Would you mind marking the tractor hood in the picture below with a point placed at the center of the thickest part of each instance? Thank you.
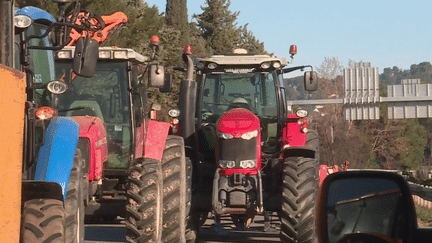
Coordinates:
(93, 129)
(237, 122)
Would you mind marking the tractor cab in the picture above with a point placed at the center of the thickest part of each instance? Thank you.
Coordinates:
(106, 96)
(241, 85)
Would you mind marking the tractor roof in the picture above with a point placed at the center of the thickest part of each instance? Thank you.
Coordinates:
(105, 53)
(242, 59)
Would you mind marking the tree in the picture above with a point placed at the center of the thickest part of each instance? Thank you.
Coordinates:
(177, 17)
(414, 145)
(47, 5)
(218, 26)
(249, 42)
(330, 68)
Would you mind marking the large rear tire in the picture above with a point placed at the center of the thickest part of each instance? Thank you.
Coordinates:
(43, 221)
(299, 192)
(159, 198)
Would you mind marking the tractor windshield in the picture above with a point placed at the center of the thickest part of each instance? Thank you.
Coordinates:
(105, 96)
(222, 90)
(254, 91)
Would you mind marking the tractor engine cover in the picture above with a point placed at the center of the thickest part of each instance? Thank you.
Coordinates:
(238, 144)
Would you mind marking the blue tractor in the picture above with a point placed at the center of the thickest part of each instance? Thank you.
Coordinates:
(52, 167)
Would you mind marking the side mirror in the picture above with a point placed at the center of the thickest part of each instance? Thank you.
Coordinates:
(86, 55)
(310, 81)
(365, 206)
(159, 78)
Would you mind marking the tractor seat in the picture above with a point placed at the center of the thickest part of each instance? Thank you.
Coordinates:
(91, 108)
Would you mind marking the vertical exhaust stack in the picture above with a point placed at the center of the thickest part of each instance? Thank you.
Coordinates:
(6, 33)
(187, 100)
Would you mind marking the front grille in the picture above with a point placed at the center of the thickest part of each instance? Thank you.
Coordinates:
(237, 150)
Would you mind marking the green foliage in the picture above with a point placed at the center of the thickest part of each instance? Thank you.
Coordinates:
(47, 5)
(414, 144)
(249, 42)
(422, 71)
(424, 214)
(218, 27)
(177, 18)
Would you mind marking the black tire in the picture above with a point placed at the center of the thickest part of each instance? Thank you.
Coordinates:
(191, 232)
(51, 220)
(158, 199)
(299, 192)
(144, 206)
(312, 141)
(42, 221)
(74, 203)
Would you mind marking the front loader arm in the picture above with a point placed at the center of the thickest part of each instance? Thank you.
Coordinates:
(100, 35)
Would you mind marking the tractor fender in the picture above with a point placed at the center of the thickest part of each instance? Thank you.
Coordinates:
(56, 156)
(300, 151)
(156, 134)
(41, 189)
(309, 146)
(93, 129)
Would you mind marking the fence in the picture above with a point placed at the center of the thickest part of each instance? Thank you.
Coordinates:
(422, 195)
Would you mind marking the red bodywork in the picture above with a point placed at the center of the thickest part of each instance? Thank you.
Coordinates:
(93, 129)
(111, 21)
(154, 139)
(237, 122)
(292, 135)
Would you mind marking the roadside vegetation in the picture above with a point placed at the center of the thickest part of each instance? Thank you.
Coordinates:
(424, 216)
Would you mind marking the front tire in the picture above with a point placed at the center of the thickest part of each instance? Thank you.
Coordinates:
(299, 192)
(43, 221)
(47, 220)
(158, 197)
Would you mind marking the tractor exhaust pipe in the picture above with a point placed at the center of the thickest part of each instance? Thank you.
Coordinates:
(6, 33)
(187, 104)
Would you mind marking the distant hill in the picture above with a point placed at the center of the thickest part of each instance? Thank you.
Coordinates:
(422, 71)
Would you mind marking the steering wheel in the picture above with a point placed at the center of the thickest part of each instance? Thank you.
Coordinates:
(239, 95)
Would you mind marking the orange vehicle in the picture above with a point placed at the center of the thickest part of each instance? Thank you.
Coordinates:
(11, 151)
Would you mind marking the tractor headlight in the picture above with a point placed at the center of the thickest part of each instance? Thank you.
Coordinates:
(248, 163)
(65, 54)
(226, 136)
(302, 113)
(250, 135)
(22, 21)
(212, 65)
(57, 87)
(276, 64)
(226, 163)
(265, 65)
(120, 55)
(104, 54)
(200, 65)
(174, 113)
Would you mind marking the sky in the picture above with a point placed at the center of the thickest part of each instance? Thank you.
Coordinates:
(385, 33)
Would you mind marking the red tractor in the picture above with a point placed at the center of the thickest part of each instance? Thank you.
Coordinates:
(250, 155)
(133, 168)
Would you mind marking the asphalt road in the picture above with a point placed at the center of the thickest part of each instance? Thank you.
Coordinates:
(115, 232)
